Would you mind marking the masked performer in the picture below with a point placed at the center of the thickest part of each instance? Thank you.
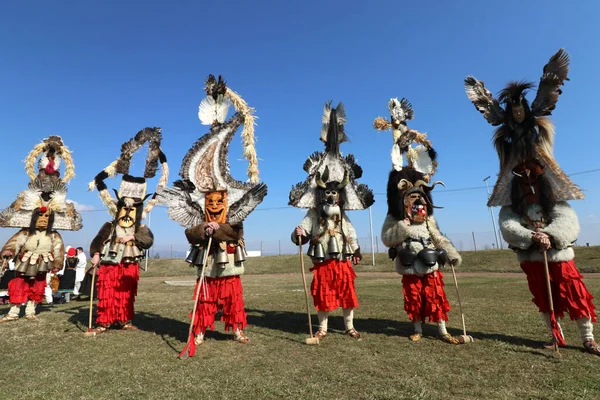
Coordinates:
(532, 191)
(212, 206)
(328, 192)
(119, 244)
(410, 229)
(40, 211)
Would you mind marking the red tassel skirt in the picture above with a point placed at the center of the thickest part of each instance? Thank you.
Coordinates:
(117, 288)
(333, 285)
(22, 288)
(220, 294)
(569, 293)
(424, 297)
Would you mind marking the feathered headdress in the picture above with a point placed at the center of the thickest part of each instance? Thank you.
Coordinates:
(46, 188)
(134, 187)
(331, 166)
(205, 167)
(421, 157)
(524, 132)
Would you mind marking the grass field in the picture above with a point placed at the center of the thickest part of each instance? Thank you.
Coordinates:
(50, 358)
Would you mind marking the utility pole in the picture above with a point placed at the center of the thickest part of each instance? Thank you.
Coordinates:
(372, 244)
(492, 213)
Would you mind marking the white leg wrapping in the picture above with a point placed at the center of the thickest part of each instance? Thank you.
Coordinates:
(30, 308)
(418, 327)
(546, 318)
(349, 318)
(14, 311)
(586, 328)
(323, 317)
(442, 328)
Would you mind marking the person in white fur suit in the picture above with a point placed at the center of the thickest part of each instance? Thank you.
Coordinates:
(532, 191)
(419, 249)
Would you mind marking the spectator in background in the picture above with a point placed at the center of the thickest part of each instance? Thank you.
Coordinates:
(9, 274)
(67, 278)
(80, 270)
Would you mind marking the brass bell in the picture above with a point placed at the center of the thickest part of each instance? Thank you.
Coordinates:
(199, 261)
(311, 251)
(128, 252)
(319, 253)
(114, 250)
(136, 252)
(192, 254)
(239, 256)
(221, 257)
(332, 247)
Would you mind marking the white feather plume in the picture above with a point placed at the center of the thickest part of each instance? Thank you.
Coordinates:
(421, 160)
(396, 157)
(210, 110)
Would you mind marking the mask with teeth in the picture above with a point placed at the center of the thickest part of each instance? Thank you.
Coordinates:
(216, 207)
(127, 214)
(415, 207)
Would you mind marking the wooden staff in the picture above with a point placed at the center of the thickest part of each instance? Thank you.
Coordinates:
(551, 304)
(90, 333)
(311, 339)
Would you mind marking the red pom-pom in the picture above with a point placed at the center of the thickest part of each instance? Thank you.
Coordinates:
(43, 209)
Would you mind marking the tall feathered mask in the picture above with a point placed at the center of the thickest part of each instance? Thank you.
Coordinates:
(524, 132)
(418, 149)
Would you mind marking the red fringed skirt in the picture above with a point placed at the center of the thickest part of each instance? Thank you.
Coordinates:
(220, 294)
(117, 288)
(22, 288)
(569, 293)
(424, 297)
(333, 285)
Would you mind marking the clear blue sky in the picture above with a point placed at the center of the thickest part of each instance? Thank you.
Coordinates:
(95, 72)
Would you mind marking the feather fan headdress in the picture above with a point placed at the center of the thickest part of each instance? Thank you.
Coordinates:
(330, 165)
(205, 167)
(131, 186)
(524, 132)
(46, 188)
(421, 157)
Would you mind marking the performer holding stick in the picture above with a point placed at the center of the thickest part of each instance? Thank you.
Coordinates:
(532, 191)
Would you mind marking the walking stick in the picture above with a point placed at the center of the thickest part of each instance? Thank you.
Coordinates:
(311, 339)
(91, 333)
(464, 338)
(188, 351)
(553, 323)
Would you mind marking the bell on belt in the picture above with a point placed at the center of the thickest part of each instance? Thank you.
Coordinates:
(114, 250)
(239, 257)
(221, 257)
(319, 254)
(200, 256)
(128, 256)
(332, 247)
(347, 250)
(311, 251)
(136, 252)
(193, 253)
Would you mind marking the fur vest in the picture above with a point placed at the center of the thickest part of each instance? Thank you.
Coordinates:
(561, 225)
(395, 233)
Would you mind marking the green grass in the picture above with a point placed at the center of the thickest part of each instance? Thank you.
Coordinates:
(51, 359)
(587, 259)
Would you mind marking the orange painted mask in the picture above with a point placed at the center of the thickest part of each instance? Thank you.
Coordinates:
(215, 204)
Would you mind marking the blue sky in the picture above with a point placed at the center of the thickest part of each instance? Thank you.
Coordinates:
(97, 72)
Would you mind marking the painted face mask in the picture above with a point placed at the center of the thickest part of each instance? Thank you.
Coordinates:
(216, 207)
(127, 214)
(415, 207)
(42, 221)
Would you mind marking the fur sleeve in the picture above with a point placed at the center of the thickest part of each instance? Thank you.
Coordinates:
(350, 232)
(15, 243)
(307, 223)
(58, 251)
(443, 242)
(393, 232)
(101, 237)
(144, 239)
(226, 232)
(564, 226)
(513, 232)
